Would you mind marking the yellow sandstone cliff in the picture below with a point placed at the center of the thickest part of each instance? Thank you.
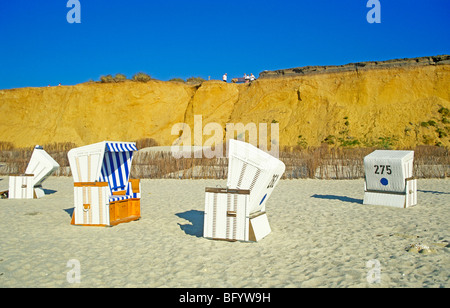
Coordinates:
(403, 105)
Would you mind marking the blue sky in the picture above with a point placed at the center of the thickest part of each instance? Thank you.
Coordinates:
(184, 38)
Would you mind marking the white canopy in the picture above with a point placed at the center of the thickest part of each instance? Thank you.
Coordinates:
(41, 165)
(90, 164)
(253, 169)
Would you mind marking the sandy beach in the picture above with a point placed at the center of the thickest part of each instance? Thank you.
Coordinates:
(322, 236)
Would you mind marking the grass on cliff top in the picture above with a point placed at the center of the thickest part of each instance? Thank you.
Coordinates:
(144, 77)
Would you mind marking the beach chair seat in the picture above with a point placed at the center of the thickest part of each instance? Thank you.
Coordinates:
(29, 184)
(104, 195)
(120, 198)
(389, 179)
(237, 212)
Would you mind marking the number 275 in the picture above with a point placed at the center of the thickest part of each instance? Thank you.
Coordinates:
(379, 169)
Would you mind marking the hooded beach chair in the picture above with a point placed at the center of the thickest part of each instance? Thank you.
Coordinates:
(29, 185)
(238, 212)
(104, 194)
(389, 179)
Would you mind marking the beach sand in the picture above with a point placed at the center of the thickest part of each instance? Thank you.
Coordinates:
(322, 236)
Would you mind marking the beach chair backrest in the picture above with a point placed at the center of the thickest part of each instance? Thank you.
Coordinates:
(253, 169)
(86, 162)
(41, 165)
(387, 170)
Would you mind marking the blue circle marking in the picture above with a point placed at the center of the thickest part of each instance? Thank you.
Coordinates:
(384, 181)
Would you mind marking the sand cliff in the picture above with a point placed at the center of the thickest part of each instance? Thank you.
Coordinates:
(402, 103)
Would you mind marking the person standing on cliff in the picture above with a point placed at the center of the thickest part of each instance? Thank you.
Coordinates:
(247, 78)
(224, 77)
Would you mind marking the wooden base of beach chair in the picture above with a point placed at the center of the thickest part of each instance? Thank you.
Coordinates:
(93, 208)
(124, 211)
(226, 216)
(72, 222)
(395, 199)
(21, 186)
(257, 229)
(119, 212)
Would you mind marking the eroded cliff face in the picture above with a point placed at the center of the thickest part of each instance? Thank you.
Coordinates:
(404, 106)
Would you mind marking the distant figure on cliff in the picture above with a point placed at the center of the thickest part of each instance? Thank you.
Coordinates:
(252, 77)
(224, 77)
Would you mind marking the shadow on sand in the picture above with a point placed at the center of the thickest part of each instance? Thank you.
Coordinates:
(195, 227)
(49, 191)
(434, 192)
(69, 211)
(340, 198)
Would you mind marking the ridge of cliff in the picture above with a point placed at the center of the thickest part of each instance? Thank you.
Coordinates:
(357, 66)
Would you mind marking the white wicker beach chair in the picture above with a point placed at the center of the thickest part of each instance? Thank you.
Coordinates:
(237, 213)
(389, 178)
(29, 185)
(104, 194)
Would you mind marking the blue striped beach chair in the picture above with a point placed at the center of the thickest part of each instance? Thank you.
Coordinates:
(104, 194)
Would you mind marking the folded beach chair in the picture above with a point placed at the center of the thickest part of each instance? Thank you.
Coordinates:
(237, 213)
(104, 194)
(29, 185)
(389, 179)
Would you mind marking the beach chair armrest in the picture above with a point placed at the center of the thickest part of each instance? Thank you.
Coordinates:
(21, 174)
(135, 185)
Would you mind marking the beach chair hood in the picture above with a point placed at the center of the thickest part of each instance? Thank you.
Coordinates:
(253, 169)
(386, 170)
(41, 165)
(106, 161)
